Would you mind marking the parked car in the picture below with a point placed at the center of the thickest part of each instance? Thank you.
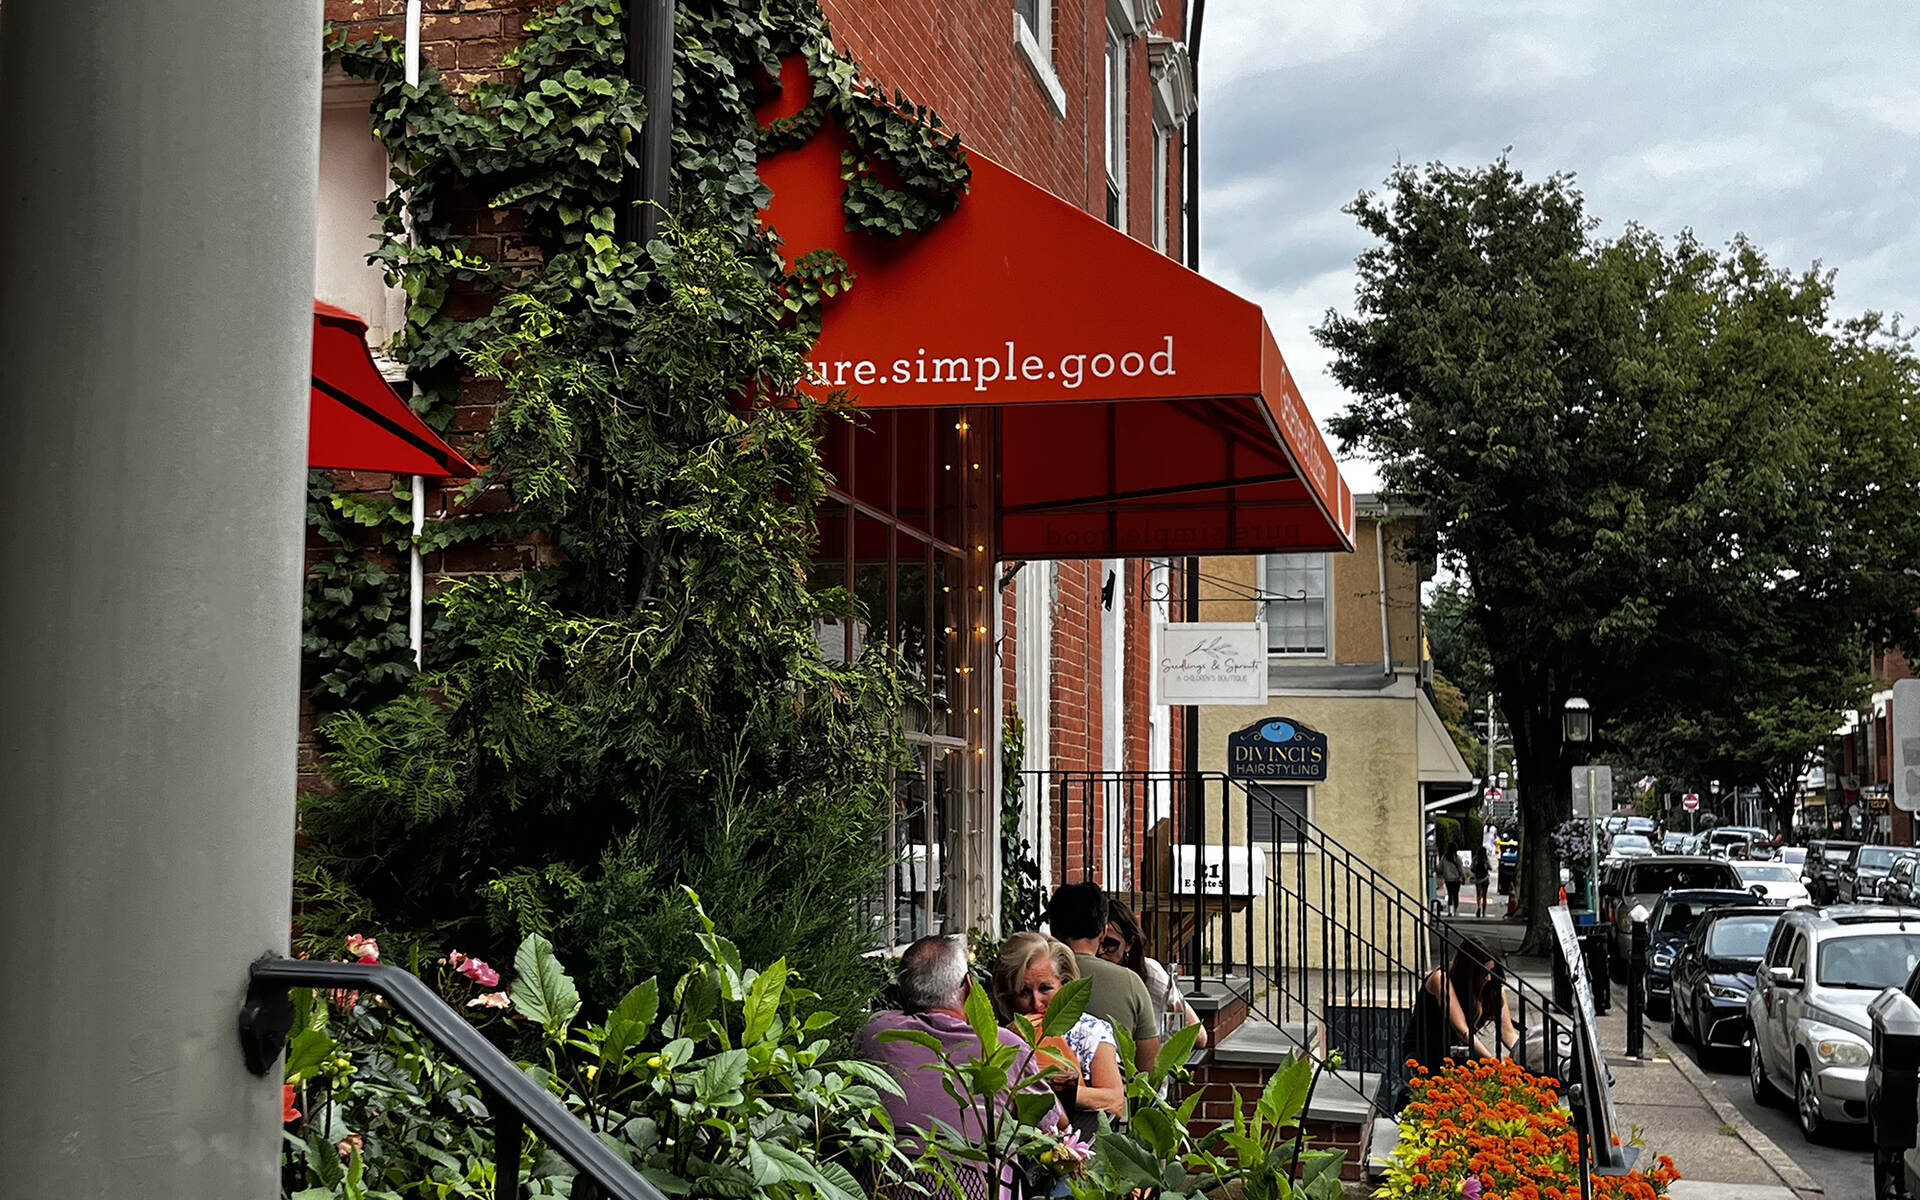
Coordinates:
(1630, 845)
(1776, 883)
(1793, 856)
(1811, 1034)
(1643, 826)
(1673, 918)
(1509, 864)
(1639, 882)
(1712, 973)
(1864, 876)
(1825, 858)
(1901, 884)
(1674, 843)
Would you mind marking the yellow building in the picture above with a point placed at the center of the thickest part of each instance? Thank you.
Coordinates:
(1346, 660)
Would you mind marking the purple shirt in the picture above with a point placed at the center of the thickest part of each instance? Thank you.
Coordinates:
(916, 1069)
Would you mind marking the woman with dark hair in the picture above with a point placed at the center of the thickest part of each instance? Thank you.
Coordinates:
(1123, 942)
(1453, 1012)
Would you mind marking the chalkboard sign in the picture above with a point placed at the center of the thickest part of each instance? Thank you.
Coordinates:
(1601, 1117)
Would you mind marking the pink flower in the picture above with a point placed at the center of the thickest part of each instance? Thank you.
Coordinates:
(454, 959)
(479, 972)
(1076, 1147)
(363, 948)
(1470, 1187)
(490, 1000)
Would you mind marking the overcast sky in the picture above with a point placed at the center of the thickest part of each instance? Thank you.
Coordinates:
(1797, 124)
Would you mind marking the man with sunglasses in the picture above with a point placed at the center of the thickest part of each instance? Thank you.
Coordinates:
(1077, 915)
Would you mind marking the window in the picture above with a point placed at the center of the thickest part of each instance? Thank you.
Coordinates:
(1033, 37)
(1297, 617)
(1160, 146)
(1276, 812)
(1116, 129)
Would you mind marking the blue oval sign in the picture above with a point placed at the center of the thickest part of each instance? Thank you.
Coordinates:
(1277, 748)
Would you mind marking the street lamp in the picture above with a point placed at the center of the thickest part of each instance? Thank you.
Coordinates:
(1576, 721)
(1576, 726)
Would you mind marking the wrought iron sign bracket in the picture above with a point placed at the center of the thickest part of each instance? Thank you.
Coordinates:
(1159, 586)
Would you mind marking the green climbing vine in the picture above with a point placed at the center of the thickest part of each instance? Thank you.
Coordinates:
(645, 705)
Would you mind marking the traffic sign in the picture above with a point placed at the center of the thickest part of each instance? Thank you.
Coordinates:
(1601, 802)
(1495, 795)
(1690, 801)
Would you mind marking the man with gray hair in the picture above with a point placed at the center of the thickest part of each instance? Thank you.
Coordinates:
(932, 990)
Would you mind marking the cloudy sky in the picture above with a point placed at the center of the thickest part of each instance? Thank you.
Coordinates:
(1797, 124)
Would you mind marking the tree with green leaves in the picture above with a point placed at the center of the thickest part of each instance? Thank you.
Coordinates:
(1648, 460)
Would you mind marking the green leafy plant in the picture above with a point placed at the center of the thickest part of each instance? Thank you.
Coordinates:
(1022, 900)
(725, 1087)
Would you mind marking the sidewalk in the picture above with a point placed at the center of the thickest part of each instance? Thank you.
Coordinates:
(1675, 1108)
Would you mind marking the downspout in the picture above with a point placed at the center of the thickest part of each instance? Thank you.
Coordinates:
(1190, 583)
(1380, 556)
(416, 569)
(643, 191)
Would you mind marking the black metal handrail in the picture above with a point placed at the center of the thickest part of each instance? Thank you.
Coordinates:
(514, 1100)
(1180, 845)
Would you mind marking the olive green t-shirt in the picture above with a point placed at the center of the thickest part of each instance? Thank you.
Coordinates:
(1119, 997)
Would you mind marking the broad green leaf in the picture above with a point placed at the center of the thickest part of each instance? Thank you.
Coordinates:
(1286, 1092)
(918, 1037)
(1174, 1052)
(308, 1049)
(979, 1011)
(878, 1076)
(722, 1073)
(763, 1001)
(542, 992)
(629, 1023)
(1066, 1007)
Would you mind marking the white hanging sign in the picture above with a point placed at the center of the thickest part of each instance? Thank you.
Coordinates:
(1213, 662)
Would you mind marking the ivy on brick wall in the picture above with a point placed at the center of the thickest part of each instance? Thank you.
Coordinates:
(645, 703)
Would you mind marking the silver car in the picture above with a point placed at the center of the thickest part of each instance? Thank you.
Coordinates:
(1808, 1009)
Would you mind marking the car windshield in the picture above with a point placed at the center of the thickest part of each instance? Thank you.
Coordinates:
(1876, 856)
(1667, 877)
(1869, 960)
(1767, 873)
(1680, 916)
(1631, 841)
(1836, 854)
(1740, 937)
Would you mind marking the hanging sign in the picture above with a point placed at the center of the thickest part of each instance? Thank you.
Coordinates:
(1277, 748)
(1213, 662)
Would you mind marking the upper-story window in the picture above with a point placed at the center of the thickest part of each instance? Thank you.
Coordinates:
(1296, 624)
(1116, 128)
(1033, 37)
(353, 180)
(1160, 144)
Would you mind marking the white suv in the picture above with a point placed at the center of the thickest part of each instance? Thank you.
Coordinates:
(1808, 1007)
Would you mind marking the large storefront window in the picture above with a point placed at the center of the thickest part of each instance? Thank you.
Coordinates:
(893, 533)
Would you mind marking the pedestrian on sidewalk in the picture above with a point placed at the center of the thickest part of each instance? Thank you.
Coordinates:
(1453, 877)
(1482, 881)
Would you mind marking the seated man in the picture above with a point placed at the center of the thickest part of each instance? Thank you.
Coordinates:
(1077, 914)
(932, 991)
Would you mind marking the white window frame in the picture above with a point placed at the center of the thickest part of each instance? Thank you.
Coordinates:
(1115, 80)
(1326, 577)
(1036, 47)
(1162, 145)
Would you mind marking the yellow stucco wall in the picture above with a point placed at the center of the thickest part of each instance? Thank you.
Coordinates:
(1369, 803)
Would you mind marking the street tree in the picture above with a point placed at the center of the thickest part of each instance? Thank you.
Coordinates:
(1645, 458)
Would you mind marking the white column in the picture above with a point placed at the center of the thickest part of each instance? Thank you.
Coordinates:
(157, 196)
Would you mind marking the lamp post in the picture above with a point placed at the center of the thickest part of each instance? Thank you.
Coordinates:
(1576, 726)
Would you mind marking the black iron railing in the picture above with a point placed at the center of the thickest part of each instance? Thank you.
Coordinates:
(514, 1101)
(1236, 884)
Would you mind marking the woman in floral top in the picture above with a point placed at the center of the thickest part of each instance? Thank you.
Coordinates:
(1031, 968)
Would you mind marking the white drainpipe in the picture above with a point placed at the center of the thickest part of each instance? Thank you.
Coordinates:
(1380, 557)
(416, 570)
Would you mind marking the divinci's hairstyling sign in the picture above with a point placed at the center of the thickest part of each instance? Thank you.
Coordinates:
(1277, 748)
(1213, 662)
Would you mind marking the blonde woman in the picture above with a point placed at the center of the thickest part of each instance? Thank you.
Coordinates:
(1030, 971)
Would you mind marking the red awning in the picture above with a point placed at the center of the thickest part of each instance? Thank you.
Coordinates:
(1139, 408)
(355, 420)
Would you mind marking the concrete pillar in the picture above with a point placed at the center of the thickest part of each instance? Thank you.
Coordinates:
(158, 168)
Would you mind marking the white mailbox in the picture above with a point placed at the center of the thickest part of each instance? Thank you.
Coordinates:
(1226, 870)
